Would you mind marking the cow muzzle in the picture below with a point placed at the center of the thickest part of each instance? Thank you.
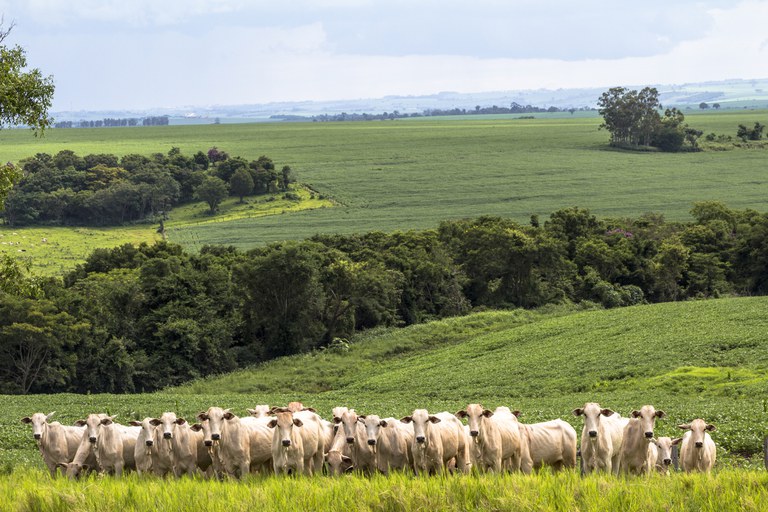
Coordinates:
(420, 439)
(473, 433)
(649, 435)
(372, 442)
(167, 435)
(208, 442)
(350, 440)
(286, 442)
(38, 437)
(150, 443)
(667, 462)
(216, 437)
(92, 440)
(699, 444)
(593, 433)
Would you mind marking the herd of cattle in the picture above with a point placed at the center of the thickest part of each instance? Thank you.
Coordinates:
(295, 440)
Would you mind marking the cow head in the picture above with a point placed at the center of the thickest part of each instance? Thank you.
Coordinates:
(147, 434)
(592, 413)
(647, 416)
(421, 420)
(349, 420)
(373, 425)
(283, 423)
(338, 463)
(665, 444)
(166, 423)
(73, 470)
(92, 425)
(698, 428)
(216, 417)
(39, 422)
(338, 412)
(260, 411)
(474, 414)
(205, 427)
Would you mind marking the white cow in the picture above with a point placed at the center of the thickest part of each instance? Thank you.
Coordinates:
(85, 456)
(115, 445)
(637, 434)
(142, 453)
(437, 439)
(183, 443)
(551, 443)
(361, 452)
(664, 447)
(390, 440)
(260, 411)
(233, 438)
(208, 459)
(697, 451)
(287, 444)
(57, 443)
(494, 437)
(601, 438)
(260, 443)
(338, 455)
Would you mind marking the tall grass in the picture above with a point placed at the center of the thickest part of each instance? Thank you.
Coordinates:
(726, 490)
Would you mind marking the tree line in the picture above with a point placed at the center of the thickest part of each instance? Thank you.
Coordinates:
(111, 122)
(140, 318)
(102, 189)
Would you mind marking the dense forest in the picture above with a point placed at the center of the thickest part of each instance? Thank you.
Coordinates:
(67, 189)
(142, 318)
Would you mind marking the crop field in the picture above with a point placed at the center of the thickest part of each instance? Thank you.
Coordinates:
(411, 174)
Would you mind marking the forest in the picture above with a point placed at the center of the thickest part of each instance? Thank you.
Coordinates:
(140, 318)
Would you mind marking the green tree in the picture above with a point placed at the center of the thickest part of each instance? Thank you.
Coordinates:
(25, 96)
(631, 117)
(213, 191)
(241, 183)
(9, 176)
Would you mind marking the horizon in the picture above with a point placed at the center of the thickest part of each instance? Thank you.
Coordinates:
(111, 55)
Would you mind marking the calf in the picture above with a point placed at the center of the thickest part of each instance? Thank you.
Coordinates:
(361, 452)
(601, 438)
(638, 432)
(437, 439)
(551, 443)
(697, 451)
(57, 443)
(664, 448)
(390, 441)
(494, 437)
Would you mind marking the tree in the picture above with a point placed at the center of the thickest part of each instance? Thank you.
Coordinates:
(241, 183)
(631, 117)
(9, 175)
(703, 105)
(755, 133)
(715, 106)
(213, 191)
(25, 96)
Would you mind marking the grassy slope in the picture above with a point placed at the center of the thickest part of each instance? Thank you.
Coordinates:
(414, 173)
(696, 359)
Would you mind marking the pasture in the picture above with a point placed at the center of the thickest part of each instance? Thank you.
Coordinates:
(413, 173)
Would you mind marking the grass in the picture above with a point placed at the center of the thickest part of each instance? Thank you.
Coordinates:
(414, 173)
(729, 490)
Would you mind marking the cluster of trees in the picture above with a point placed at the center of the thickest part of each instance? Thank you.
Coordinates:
(514, 108)
(102, 189)
(141, 318)
(110, 122)
(633, 119)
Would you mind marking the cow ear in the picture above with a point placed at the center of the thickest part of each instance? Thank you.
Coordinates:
(710, 427)
(202, 416)
(661, 414)
(228, 415)
(517, 413)
(80, 423)
(252, 412)
(155, 422)
(361, 417)
(272, 424)
(298, 422)
(578, 411)
(606, 412)
(406, 419)
(273, 409)
(676, 441)
(635, 414)
(310, 409)
(434, 419)
(106, 421)
(196, 427)
(336, 420)
(487, 413)
(684, 426)
(26, 419)
(383, 423)
(461, 414)
(134, 423)
(180, 421)
(49, 416)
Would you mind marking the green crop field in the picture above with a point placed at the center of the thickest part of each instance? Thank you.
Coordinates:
(695, 359)
(411, 174)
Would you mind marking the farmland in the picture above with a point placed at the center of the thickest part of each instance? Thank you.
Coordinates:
(411, 174)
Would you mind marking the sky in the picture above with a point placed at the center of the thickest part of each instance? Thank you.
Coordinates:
(143, 54)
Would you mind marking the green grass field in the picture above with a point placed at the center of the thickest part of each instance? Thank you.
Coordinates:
(411, 174)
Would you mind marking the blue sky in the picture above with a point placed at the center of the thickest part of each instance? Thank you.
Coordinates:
(171, 53)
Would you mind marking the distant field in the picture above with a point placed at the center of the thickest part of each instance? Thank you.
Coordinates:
(411, 174)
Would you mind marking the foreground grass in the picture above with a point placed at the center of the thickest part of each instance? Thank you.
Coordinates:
(726, 490)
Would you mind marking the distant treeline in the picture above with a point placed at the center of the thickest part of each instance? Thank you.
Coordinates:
(142, 318)
(514, 108)
(109, 122)
(102, 189)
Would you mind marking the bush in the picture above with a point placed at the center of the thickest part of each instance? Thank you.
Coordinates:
(669, 139)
